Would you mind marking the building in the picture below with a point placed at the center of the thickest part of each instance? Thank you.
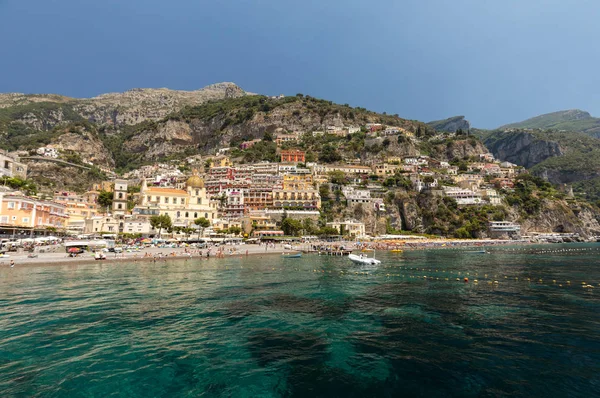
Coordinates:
(78, 207)
(385, 169)
(11, 167)
(139, 225)
(352, 228)
(348, 169)
(355, 196)
(234, 203)
(293, 156)
(182, 206)
(463, 196)
(249, 144)
(297, 191)
(256, 222)
(99, 225)
(20, 211)
(502, 229)
(220, 161)
(119, 207)
(491, 196)
(282, 138)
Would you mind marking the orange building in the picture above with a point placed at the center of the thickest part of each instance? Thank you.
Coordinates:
(293, 156)
(20, 211)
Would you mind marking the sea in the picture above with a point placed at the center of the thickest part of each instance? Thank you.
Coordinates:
(520, 321)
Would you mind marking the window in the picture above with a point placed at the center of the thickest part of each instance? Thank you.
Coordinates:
(120, 195)
(4, 220)
(195, 215)
(166, 199)
(14, 218)
(120, 206)
(25, 219)
(197, 192)
(206, 215)
(187, 215)
(178, 214)
(182, 201)
(199, 200)
(11, 205)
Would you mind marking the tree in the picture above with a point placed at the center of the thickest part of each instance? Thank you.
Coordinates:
(308, 226)
(235, 230)
(328, 231)
(291, 227)
(268, 136)
(337, 177)
(329, 154)
(202, 223)
(105, 199)
(160, 222)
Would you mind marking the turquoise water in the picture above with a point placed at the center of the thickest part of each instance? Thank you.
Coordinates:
(309, 327)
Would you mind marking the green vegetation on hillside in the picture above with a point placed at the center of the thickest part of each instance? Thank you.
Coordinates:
(18, 135)
(571, 120)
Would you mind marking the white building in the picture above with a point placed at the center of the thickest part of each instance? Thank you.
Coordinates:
(354, 196)
(463, 196)
(11, 167)
(354, 228)
(492, 196)
(138, 226)
(119, 206)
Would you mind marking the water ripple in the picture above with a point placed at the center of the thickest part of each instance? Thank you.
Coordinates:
(315, 327)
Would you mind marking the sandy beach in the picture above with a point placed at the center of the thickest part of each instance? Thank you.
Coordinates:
(147, 254)
(162, 254)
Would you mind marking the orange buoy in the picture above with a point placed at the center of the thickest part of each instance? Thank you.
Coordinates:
(466, 280)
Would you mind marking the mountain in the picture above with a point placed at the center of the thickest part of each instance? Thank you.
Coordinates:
(28, 120)
(451, 125)
(570, 120)
(559, 157)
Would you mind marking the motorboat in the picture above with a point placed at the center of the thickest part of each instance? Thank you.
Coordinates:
(292, 255)
(396, 251)
(362, 259)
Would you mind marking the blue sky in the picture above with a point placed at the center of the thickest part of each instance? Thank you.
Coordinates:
(494, 61)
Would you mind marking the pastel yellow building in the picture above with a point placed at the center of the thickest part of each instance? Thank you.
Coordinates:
(183, 206)
(297, 192)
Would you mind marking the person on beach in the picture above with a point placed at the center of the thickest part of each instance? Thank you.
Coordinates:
(12, 263)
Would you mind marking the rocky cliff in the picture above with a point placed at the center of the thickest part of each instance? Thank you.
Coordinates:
(562, 216)
(451, 125)
(522, 148)
(218, 125)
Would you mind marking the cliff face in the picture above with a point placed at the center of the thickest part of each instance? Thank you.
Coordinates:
(84, 142)
(522, 148)
(560, 216)
(458, 150)
(206, 131)
(138, 105)
(451, 125)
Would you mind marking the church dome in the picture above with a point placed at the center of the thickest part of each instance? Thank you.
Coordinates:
(195, 182)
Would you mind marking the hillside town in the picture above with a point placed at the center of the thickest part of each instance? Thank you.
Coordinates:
(250, 200)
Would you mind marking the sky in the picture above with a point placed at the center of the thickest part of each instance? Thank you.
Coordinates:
(494, 61)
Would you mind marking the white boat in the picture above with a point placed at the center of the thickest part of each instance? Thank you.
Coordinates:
(363, 259)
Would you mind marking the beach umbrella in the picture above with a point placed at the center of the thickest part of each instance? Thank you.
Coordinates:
(74, 250)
